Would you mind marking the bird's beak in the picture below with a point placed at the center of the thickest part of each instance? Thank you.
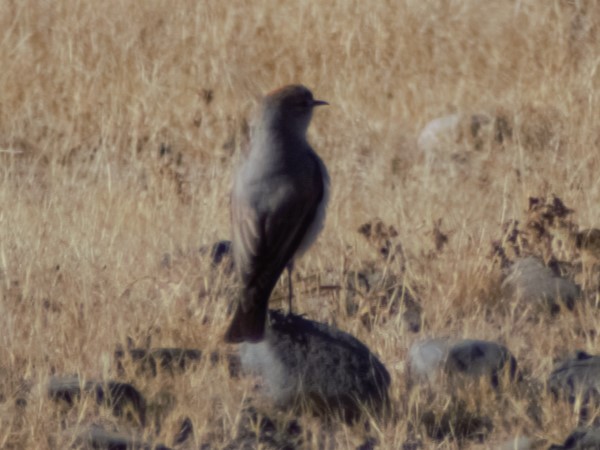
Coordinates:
(319, 103)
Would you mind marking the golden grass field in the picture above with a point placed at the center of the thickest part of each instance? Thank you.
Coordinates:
(100, 230)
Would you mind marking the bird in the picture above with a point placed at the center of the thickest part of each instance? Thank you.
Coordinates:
(278, 203)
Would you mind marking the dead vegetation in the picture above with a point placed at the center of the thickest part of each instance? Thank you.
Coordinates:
(119, 127)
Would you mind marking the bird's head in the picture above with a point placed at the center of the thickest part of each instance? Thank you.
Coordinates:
(290, 108)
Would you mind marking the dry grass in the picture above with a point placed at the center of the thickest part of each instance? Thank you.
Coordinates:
(100, 229)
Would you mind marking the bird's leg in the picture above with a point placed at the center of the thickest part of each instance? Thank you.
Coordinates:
(290, 268)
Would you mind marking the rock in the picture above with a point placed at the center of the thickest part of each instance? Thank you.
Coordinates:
(307, 363)
(480, 358)
(529, 280)
(464, 358)
(168, 359)
(438, 133)
(426, 359)
(581, 439)
(114, 394)
(577, 377)
(452, 139)
(97, 437)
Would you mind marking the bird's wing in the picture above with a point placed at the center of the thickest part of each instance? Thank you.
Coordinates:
(265, 243)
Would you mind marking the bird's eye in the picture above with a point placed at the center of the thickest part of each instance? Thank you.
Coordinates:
(306, 102)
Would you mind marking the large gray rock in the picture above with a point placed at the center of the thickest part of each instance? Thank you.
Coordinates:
(480, 358)
(467, 358)
(529, 280)
(310, 364)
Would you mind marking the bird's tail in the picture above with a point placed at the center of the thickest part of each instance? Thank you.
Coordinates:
(248, 324)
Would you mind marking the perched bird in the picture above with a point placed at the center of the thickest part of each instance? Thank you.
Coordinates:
(278, 203)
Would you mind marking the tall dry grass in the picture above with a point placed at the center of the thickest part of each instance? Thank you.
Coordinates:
(119, 126)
